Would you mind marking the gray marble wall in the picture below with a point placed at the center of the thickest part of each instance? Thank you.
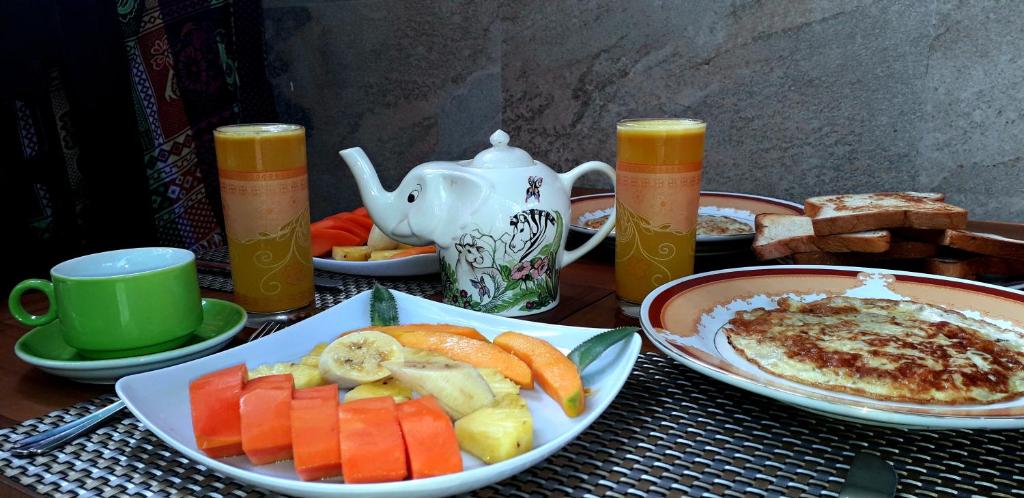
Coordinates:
(802, 98)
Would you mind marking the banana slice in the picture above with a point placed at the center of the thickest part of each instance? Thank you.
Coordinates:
(377, 241)
(416, 354)
(356, 358)
(457, 386)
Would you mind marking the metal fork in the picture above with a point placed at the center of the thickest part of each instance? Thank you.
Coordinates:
(265, 329)
(51, 439)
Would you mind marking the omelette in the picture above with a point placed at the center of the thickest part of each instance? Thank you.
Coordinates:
(883, 349)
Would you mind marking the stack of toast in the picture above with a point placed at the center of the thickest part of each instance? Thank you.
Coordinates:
(907, 230)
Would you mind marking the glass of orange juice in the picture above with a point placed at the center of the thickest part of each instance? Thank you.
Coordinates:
(657, 192)
(265, 193)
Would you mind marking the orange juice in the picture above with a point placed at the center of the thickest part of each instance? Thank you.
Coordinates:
(265, 193)
(657, 194)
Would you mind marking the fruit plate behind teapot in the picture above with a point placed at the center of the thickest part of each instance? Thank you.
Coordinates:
(499, 220)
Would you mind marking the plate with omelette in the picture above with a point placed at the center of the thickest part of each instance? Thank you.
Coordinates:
(884, 347)
(725, 220)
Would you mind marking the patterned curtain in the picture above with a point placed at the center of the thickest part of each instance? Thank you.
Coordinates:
(106, 127)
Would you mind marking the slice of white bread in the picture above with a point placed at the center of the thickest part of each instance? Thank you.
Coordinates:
(836, 214)
(984, 243)
(779, 235)
(972, 267)
(898, 250)
(812, 205)
(871, 241)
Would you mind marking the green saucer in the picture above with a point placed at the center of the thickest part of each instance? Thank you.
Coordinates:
(45, 348)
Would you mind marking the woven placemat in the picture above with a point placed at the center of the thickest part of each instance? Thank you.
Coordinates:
(345, 286)
(670, 432)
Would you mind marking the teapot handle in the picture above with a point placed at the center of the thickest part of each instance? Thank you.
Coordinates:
(568, 179)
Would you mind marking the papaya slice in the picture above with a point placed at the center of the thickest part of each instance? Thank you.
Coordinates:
(556, 374)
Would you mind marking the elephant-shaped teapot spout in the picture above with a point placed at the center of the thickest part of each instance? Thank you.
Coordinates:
(434, 203)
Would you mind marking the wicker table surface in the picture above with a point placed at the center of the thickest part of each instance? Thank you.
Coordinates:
(670, 432)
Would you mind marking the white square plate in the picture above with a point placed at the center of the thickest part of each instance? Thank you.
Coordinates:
(409, 266)
(160, 398)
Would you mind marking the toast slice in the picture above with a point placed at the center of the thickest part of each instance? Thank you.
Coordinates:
(812, 206)
(898, 250)
(984, 243)
(871, 241)
(951, 267)
(972, 267)
(836, 214)
(779, 235)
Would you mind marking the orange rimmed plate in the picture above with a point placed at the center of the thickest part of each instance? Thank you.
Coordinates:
(683, 318)
(742, 207)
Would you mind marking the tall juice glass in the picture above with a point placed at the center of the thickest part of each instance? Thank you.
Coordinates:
(265, 192)
(657, 195)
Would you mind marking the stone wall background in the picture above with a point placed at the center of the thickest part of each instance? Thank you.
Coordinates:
(801, 97)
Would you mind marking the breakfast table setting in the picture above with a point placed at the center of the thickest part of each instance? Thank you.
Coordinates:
(488, 328)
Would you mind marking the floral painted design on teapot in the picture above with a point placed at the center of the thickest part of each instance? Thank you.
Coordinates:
(515, 269)
(498, 220)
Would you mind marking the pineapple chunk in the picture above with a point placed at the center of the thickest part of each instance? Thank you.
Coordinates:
(497, 432)
(303, 375)
(350, 253)
(270, 369)
(383, 387)
(313, 358)
(499, 384)
(306, 376)
(384, 254)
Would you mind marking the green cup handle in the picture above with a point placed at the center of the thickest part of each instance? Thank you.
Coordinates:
(14, 302)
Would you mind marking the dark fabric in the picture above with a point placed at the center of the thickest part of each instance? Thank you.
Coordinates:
(107, 118)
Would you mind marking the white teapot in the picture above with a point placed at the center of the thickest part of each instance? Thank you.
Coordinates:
(500, 222)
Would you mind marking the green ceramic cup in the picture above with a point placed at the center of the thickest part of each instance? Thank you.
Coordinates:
(120, 303)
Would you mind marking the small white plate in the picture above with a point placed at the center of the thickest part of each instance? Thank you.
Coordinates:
(44, 348)
(160, 398)
(683, 318)
(411, 266)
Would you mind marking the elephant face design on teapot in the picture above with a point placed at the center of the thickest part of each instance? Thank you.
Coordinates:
(513, 270)
(498, 221)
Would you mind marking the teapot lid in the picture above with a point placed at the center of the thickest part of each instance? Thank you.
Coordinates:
(501, 155)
